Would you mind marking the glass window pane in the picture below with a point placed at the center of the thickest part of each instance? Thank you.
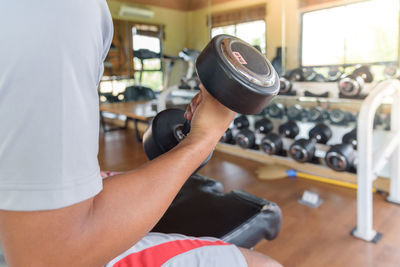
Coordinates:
(323, 38)
(146, 42)
(230, 29)
(363, 32)
(372, 31)
(252, 32)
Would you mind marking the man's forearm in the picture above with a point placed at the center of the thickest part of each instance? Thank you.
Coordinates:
(133, 202)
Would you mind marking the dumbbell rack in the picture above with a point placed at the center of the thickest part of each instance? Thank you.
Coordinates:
(370, 162)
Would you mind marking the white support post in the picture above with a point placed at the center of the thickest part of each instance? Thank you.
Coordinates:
(394, 194)
(365, 168)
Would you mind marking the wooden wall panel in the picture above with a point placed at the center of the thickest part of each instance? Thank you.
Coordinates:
(183, 5)
(308, 3)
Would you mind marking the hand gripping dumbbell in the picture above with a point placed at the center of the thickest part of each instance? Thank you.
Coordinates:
(303, 150)
(353, 85)
(234, 73)
(272, 143)
(248, 139)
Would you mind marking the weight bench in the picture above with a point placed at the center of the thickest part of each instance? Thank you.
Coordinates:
(202, 209)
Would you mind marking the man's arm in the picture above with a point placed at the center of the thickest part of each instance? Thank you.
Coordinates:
(94, 231)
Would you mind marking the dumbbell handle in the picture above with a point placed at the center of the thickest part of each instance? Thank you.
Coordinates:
(186, 127)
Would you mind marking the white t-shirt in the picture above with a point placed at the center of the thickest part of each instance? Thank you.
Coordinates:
(51, 61)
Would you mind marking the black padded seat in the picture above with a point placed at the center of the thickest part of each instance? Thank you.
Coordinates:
(202, 209)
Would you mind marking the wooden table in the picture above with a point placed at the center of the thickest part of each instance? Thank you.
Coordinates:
(137, 111)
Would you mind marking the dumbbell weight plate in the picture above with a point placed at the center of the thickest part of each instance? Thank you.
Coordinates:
(302, 150)
(294, 112)
(264, 125)
(276, 110)
(350, 138)
(272, 144)
(240, 68)
(241, 122)
(164, 133)
(285, 85)
(340, 157)
(364, 72)
(315, 114)
(245, 138)
(321, 133)
(227, 137)
(351, 86)
(289, 129)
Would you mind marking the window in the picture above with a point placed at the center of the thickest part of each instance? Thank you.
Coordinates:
(252, 32)
(147, 61)
(366, 32)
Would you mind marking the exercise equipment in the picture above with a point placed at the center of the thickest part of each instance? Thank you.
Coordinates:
(350, 138)
(276, 110)
(241, 122)
(302, 150)
(340, 117)
(391, 71)
(234, 73)
(334, 74)
(202, 209)
(341, 157)
(264, 125)
(246, 138)
(316, 114)
(352, 85)
(272, 143)
(286, 86)
(295, 112)
(227, 137)
(296, 75)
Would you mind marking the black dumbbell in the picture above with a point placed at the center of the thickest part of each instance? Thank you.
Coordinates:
(296, 75)
(264, 125)
(391, 71)
(340, 117)
(295, 112)
(303, 150)
(316, 114)
(276, 110)
(241, 122)
(353, 85)
(246, 138)
(341, 157)
(272, 143)
(227, 137)
(311, 75)
(334, 74)
(285, 86)
(350, 138)
(234, 73)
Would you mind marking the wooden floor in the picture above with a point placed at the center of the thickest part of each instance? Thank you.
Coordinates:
(309, 237)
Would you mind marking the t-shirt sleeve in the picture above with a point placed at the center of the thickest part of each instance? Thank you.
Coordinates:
(51, 63)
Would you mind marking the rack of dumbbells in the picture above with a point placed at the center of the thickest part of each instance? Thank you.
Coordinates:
(336, 144)
(315, 139)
